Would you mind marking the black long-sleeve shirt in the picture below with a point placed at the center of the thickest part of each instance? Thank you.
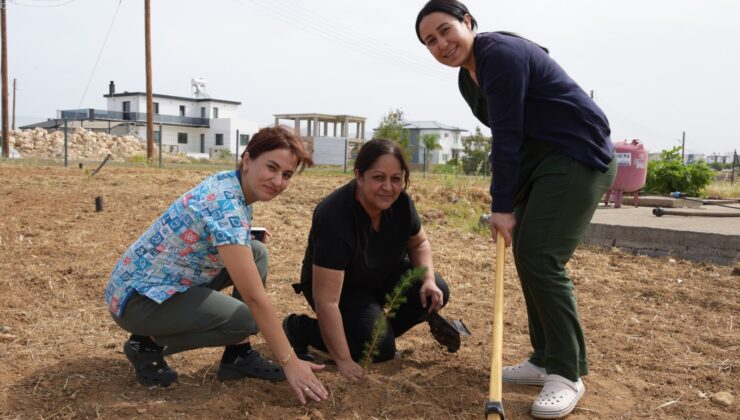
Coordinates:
(522, 94)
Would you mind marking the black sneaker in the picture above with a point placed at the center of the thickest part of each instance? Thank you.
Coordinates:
(297, 340)
(149, 364)
(251, 365)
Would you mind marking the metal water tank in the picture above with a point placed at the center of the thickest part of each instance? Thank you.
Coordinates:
(632, 162)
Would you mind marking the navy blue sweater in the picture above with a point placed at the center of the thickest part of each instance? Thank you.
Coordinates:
(522, 94)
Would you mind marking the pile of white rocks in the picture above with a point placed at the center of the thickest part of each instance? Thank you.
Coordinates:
(81, 145)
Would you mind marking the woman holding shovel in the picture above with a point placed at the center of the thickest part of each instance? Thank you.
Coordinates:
(165, 288)
(552, 160)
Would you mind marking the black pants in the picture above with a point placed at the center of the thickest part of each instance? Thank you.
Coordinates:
(360, 309)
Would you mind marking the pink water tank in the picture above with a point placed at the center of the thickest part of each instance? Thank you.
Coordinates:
(632, 162)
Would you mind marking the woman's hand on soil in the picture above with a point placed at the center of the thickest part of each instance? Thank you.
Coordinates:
(504, 223)
(429, 292)
(351, 370)
(300, 376)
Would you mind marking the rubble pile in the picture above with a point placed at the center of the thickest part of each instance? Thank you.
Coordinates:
(81, 145)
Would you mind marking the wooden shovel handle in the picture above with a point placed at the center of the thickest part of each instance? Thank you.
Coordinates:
(498, 326)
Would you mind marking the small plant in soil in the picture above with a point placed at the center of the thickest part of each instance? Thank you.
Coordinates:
(393, 301)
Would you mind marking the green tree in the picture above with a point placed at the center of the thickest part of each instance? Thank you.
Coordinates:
(391, 128)
(430, 142)
(476, 148)
(669, 174)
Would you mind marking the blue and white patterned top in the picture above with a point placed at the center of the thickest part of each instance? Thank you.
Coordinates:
(179, 250)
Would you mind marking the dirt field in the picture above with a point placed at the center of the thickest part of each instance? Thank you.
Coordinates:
(660, 332)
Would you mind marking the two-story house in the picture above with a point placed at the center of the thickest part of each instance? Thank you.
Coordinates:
(199, 126)
(449, 138)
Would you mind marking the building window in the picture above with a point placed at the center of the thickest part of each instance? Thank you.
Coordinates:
(202, 143)
(215, 112)
(182, 138)
(156, 107)
(126, 110)
(219, 139)
(202, 112)
(243, 139)
(182, 110)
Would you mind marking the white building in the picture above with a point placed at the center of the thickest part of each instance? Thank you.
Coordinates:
(199, 126)
(720, 158)
(449, 138)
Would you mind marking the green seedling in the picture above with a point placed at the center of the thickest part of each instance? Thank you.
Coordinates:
(393, 301)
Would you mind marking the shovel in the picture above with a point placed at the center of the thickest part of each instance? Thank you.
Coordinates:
(494, 406)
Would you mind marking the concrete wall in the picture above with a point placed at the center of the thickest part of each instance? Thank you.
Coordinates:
(697, 246)
(329, 150)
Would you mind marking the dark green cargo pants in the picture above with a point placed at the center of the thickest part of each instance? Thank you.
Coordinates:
(199, 317)
(556, 199)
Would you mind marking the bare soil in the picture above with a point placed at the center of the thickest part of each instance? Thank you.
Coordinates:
(660, 332)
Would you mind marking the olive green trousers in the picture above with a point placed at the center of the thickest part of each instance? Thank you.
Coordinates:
(199, 317)
(556, 199)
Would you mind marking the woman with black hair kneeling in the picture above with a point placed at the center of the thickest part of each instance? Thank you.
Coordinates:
(364, 236)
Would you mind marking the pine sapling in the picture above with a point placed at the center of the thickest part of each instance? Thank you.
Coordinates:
(393, 301)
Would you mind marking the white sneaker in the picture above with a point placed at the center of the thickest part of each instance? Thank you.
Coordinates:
(558, 398)
(524, 373)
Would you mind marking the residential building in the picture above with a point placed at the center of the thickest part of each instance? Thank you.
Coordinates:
(720, 158)
(198, 126)
(330, 139)
(449, 138)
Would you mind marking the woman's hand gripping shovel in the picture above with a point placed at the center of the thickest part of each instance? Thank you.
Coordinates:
(494, 406)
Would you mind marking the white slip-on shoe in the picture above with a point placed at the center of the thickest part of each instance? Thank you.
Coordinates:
(558, 397)
(524, 373)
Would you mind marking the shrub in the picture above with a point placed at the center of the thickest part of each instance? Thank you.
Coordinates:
(136, 159)
(450, 168)
(669, 174)
(477, 148)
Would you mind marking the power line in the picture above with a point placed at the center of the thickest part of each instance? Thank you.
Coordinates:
(342, 38)
(15, 2)
(345, 32)
(102, 47)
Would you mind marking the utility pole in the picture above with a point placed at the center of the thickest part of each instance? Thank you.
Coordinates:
(4, 71)
(683, 147)
(149, 103)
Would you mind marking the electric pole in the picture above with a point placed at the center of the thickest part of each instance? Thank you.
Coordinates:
(4, 71)
(683, 148)
(149, 104)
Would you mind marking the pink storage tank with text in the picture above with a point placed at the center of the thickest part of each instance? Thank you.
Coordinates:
(632, 162)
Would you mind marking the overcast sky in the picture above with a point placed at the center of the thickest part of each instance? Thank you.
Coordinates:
(657, 67)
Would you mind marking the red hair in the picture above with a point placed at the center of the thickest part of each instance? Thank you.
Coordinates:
(278, 137)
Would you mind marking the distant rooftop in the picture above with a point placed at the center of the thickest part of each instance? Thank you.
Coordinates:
(181, 98)
(430, 125)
